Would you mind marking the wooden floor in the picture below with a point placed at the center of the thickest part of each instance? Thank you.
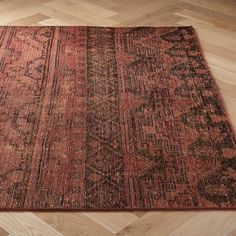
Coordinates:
(215, 21)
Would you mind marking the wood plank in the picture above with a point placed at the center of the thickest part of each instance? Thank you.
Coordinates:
(25, 223)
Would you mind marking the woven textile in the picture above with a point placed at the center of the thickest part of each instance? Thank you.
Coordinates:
(111, 118)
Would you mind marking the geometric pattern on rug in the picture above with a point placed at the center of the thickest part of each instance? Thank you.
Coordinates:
(99, 118)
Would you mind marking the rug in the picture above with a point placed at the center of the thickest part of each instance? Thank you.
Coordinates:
(95, 118)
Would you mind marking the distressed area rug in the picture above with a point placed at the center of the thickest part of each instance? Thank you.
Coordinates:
(111, 119)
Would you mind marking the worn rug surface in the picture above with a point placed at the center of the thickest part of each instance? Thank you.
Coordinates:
(111, 119)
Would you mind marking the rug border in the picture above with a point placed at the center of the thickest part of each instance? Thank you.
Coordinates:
(217, 89)
(116, 209)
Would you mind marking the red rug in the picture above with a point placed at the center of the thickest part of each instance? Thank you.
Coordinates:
(111, 119)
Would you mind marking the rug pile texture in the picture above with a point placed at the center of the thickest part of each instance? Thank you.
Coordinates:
(96, 118)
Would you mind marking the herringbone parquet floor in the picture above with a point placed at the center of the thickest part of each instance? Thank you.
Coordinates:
(215, 21)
